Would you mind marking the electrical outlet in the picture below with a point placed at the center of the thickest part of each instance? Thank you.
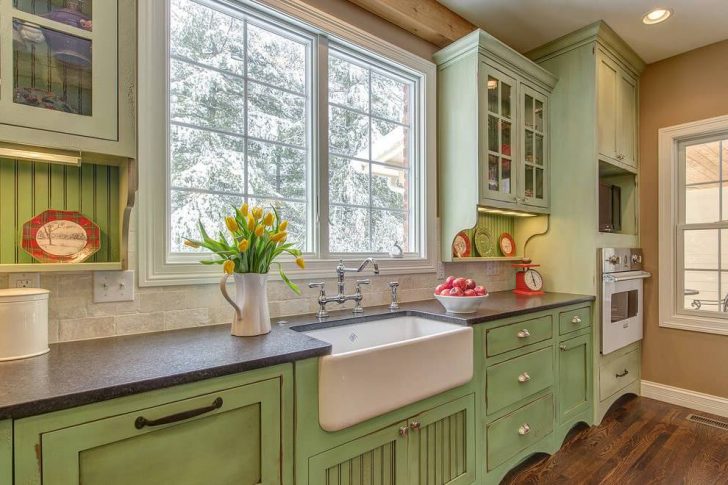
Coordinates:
(110, 286)
(440, 270)
(24, 280)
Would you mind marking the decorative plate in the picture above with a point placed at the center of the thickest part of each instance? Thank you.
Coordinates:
(57, 236)
(507, 244)
(461, 245)
(484, 242)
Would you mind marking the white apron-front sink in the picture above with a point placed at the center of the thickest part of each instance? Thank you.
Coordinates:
(379, 366)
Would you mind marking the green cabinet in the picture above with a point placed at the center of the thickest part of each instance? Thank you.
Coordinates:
(434, 447)
(575, 377)
(6, 452)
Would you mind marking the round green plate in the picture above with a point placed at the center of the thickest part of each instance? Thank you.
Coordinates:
(484, 242)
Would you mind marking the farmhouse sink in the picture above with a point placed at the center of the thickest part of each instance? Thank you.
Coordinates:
(378, 366)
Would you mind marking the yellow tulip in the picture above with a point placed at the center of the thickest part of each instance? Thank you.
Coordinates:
(279, 236)
(259, 230)
(243, 245)
(192, 244)
(231, 224)
(257, 212)
(251, 223)
(268, 219)
(244, 209)
(300, 262)
(228, 266)
(283, 225)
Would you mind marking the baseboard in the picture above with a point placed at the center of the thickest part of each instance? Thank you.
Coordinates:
(683, 397)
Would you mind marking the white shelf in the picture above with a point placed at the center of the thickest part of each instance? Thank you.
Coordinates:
(35, 267)
(476, 259)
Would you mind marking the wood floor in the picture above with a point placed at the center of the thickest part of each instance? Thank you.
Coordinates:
(640, 441)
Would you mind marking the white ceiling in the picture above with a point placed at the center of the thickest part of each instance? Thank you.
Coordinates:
(525, 24)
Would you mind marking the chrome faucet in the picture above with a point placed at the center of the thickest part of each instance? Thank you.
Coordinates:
(342, 297)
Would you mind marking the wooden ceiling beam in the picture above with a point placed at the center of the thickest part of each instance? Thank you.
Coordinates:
(427, 19)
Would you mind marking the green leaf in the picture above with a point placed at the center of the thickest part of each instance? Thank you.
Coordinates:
(290, 283)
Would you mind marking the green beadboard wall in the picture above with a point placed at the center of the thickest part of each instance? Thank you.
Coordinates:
(496, 225)
(29, 188)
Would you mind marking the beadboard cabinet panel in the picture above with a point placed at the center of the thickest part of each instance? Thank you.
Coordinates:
(575, 380)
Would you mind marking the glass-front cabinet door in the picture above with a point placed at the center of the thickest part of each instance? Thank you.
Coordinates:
(58, 66)
(534, 152)
(497, 150)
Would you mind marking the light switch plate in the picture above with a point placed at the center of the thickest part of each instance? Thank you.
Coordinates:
(110, 286)
(24, 280)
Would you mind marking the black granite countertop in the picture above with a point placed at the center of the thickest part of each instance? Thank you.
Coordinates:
(82, 372)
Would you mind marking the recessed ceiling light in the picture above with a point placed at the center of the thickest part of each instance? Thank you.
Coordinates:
(656, 16)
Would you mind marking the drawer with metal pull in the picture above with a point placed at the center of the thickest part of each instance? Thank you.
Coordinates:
(518, 430)
(618, 373)
(516, 335)
(574, 320)
(516, 379)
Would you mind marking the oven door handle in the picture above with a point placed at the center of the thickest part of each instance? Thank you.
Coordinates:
(612, 278)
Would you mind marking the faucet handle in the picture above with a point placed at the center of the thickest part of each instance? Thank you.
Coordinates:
(317, 284)
(393, 285)
(363, 282)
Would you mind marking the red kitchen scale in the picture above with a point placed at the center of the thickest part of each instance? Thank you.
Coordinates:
(529, 282)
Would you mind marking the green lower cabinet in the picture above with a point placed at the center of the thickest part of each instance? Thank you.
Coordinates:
(436, 447)
(575, 377)
(6, 452)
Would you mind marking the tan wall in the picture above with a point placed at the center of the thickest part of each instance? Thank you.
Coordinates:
(688, 87)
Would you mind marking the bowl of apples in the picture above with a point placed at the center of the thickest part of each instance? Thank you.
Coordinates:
(460, 295)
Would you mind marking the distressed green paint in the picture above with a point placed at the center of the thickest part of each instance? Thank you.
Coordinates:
(29, 188)
(517, 335)
(574, 320)
(575, 380)
(6, 452)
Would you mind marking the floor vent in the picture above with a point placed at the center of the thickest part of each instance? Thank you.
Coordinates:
(696, 418)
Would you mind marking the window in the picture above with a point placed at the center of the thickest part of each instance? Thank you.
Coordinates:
(287, 108)
(694, 226)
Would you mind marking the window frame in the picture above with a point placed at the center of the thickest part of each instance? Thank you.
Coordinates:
(672, 226)
(157, 266)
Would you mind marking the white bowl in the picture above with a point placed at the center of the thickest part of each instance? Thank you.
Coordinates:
(461, 304)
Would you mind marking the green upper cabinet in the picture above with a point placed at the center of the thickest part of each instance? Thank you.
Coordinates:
(68, 74)
(493, 132)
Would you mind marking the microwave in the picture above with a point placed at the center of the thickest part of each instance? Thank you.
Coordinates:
(610, 208)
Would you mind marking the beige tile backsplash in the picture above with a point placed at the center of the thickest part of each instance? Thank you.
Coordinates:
(72, 314)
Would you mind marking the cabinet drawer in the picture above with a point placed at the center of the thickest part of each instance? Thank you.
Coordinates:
(618, 373)
(518, 378)
(519, 430)
(517, 335)
(574, 320)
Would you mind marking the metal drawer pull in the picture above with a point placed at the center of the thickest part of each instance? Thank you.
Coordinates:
(563, 347)
(403, 431)
(576, 319)
(524, 429)
(523, 333)
(622, 374)
(415, 425)
(141, 421)
(524, 378)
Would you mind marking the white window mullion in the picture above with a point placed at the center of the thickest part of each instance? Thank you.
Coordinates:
(322, 146)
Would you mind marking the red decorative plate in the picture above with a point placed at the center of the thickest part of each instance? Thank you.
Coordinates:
(507, 244)
(461, 245)
(56, 236)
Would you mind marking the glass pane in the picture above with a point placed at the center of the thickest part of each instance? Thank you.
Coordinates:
(348, 84)
(724, 157)
(390, 143)
(492, 172)
(702, 203)
(206, 160)
(529, 181)
(348, 133)
(348, 181)
(348, 229)
(220, 44)
(389, 227)
(724, 250)
(701, 249)
(538, 150)
(528, 112)
(51, 69)
(493, 133)
(276, 170)
(505, 138)
(76, 13)
(206, 98)
(389, 187)
(705, 283)
(528, 146)
(293, 212)
(391, 98)
(702, 163)
(275, 59)
(492, 94)
(539, 116)
(539, 183)
(506, 175)
(189, 207)
(505, 100)
(276, 115)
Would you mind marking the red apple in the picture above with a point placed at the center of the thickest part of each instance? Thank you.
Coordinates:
(440, 288)
(448, 281)
(470, 284)
(470, 292)
(481, 291)
(459, 283)
(455, 292)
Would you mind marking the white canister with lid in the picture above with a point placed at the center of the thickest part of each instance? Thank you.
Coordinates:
(23, 323)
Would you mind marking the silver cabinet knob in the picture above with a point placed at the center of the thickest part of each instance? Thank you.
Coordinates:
(576, 319)
(523, 333)
(524, 377)
(524, 429)
(403, 431)
(415, 425)
(563, 347)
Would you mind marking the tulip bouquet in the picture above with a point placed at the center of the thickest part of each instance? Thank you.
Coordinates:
(258, 238)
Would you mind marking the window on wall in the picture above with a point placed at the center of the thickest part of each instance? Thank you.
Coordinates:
(266, 108)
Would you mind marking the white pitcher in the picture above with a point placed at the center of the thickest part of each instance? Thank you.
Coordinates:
(251, 315)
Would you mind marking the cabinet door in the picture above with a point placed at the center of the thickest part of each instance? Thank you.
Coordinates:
(58, 65)
(498, 137)
(442, 444)
(627, 132)
(231, 436)
(607, 87)
(575, 377)
(534, 152)
(379, 458)
(6, 452)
